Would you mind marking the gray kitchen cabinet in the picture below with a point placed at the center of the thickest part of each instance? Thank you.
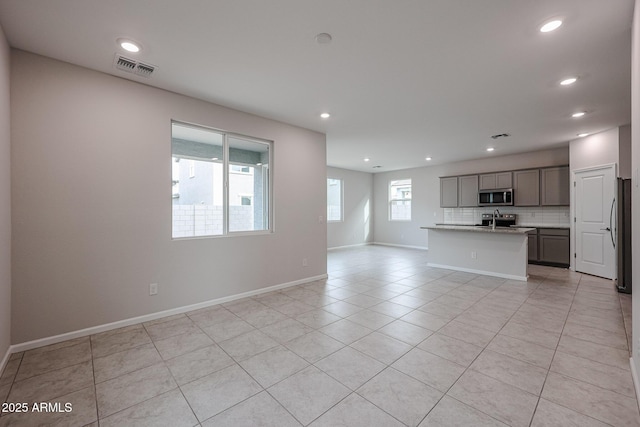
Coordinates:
(492, 181)
(468, 191)
(554, 245)
(526, 187)
(449, 192)
(533, 245)
(554, 186)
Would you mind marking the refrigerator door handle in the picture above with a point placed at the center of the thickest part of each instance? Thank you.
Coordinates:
(610, 227)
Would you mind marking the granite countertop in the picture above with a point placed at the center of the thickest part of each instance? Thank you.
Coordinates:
(563, 227)
(480, 229)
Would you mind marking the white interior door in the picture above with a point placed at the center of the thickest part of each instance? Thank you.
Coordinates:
(594, 204)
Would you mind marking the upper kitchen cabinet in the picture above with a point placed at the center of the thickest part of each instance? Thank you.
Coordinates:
(526, 187)
(555, 186)
(468, 191)
(449, 192)
(492, 181)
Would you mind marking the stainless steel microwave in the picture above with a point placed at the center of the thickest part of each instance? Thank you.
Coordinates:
(503, 197)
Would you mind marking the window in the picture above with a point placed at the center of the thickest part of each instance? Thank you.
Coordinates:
(334, 199)
(224, 186)
(400, 200)
(240, 169)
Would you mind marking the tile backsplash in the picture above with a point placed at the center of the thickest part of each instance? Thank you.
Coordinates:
(532, 216)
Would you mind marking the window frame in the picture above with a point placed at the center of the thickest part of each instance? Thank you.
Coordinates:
(392, 200)
(226, 171)
(341, 181)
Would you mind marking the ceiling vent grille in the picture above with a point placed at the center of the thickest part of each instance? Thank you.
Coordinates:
(134, 67)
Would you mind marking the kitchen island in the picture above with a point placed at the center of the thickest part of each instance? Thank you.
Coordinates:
(500, 252)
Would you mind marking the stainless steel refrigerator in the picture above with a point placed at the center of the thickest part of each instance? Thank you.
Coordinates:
(621, 235)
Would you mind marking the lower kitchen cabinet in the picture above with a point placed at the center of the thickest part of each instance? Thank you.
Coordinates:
(554, 245)
(550, 246)
(533, 245)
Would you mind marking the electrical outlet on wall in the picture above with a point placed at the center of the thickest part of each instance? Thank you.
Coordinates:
(305, 262)
(153, 289)
(474, 255)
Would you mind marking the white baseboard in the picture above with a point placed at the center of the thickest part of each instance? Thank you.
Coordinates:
(148, 317)
(484, 273)
(348, 246)
(422, 248)
(5, 360)
(636, 382)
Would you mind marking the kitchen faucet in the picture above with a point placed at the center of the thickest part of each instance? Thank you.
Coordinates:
(493, 225)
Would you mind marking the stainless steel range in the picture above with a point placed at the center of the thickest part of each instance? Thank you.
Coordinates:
(502, 220)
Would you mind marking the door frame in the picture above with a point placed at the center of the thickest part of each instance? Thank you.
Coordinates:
(572, 207)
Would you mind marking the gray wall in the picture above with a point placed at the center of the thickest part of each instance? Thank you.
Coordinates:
(426, 192)
(595, 150)
(357, 225)
(624, 151)
(635, 196)
(5, 201)
(91, 174)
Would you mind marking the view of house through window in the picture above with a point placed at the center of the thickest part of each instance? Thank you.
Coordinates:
(334, 199)
(400, 200)
(206, 200)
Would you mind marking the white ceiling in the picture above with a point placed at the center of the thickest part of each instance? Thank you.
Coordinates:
(403, 79)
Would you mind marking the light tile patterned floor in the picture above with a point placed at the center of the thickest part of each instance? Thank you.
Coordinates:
(386, 341)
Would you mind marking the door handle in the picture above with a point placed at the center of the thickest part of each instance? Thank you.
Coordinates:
(605, 229)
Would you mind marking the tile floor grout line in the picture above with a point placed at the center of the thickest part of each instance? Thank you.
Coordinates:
(93, 372)
(567, 376)
(544, 383)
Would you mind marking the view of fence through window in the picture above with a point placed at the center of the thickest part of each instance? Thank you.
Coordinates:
(202, 204)
(400, 200)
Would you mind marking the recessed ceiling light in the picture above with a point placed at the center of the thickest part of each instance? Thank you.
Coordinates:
(569, 81)
(129, 46)
(578, 114)
(366, 159)
(550, 26)
(325, 115)
(428, 159)
(490, 149)
(324, 38)
(582, 135)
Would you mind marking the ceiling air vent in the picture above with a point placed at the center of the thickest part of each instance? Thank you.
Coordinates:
(134, 67)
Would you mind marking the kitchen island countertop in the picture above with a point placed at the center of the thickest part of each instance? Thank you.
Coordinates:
(480, 228)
